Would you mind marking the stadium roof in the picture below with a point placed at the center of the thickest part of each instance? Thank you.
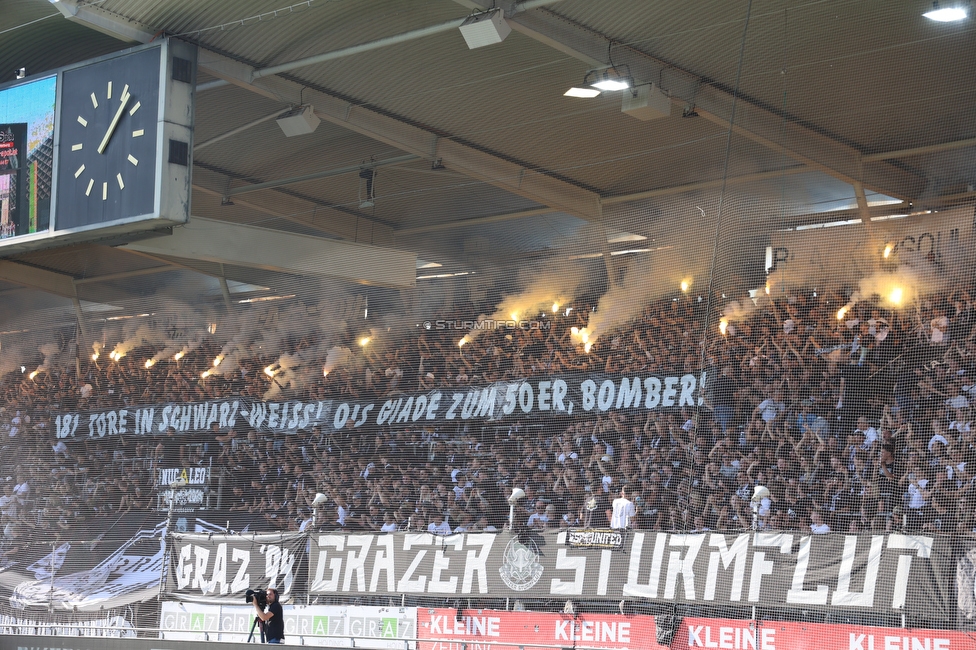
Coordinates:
(481, 161)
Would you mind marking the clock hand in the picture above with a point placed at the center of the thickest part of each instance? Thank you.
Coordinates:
(115, 120)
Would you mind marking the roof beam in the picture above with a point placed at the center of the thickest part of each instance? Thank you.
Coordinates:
(241, 129)
(36, 278)
(396, 39)
(714, 103)
(528, 183)
(103, 21)
(338, 224)
(225, 243)
(464, 223)
(920, 151)
(325, 173)
(124, 275)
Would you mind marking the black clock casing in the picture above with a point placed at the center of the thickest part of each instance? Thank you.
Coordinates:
(119, 182)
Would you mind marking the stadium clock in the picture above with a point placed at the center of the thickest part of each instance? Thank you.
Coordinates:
(124, 138)
(108, 144)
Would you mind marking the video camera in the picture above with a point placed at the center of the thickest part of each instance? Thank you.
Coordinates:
(258, 595)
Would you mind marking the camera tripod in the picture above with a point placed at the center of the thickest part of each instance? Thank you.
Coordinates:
(259, 624)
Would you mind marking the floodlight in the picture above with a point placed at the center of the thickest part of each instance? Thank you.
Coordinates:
(585, 93)
(947, 14)
(612, 78)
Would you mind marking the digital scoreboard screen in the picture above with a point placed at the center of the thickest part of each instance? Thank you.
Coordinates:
(26, 157)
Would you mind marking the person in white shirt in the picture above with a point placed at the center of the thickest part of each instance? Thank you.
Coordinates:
(389, 525)
(342, 511)
(817, 525)
(539, 518)
(622, 510)
(869, 433)
(878, 327)
(438, 526)
(939, 327)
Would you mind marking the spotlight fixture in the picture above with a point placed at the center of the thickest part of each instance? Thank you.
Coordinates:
(300, 120)
(616, 77)
(947, 14)
(20, 73)
(485, 28)
(585, 93)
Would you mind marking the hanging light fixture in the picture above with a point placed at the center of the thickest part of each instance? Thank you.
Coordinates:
(947, 14)
(576, 91)
(615, 77)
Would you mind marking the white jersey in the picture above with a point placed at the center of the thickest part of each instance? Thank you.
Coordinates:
(623, 512)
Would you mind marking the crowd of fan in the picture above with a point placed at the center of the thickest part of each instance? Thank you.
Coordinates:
(854, 421)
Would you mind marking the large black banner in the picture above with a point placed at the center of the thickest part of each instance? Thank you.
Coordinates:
(117, 565)
(890, 573)
(561, 395)
(214, 567)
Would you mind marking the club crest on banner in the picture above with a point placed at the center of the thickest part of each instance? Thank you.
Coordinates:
(520, 568)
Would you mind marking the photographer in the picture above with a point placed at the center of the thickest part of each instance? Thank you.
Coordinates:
(272, 617)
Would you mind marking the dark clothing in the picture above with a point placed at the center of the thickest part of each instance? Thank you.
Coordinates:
(723, 391)
(274, 627)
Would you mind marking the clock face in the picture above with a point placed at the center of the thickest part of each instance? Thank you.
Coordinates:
(107, 146)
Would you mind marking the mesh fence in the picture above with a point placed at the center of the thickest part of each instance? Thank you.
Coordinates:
(740, 391)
